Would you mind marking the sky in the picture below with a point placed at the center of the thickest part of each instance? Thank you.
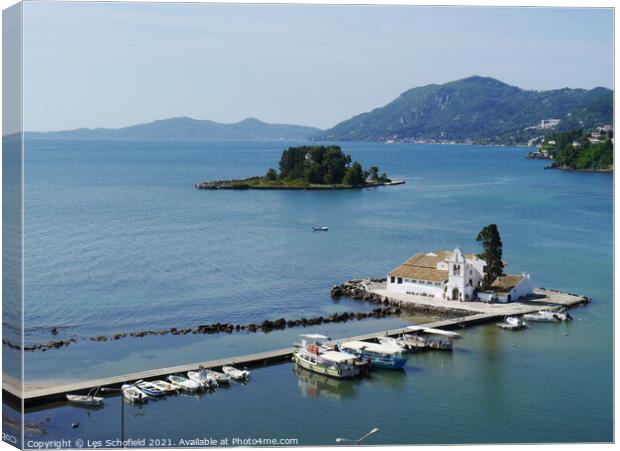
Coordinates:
(118, 64)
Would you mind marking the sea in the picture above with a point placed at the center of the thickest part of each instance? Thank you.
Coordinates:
(117, 240)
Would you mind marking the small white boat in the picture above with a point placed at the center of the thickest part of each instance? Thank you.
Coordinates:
(133, 394)
(220, 378)
(150, 389)
(205, 380)
(240, 375)
(548, 315)
(183, 383)
(512, 323)
(164, 386)
(320, 229)
(91, 399)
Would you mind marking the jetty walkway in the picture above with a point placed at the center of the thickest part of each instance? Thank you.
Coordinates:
(36, 396)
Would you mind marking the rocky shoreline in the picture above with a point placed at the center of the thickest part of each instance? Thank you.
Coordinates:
(538, 155)
(356, 290)
(250, 183)
(266, 326)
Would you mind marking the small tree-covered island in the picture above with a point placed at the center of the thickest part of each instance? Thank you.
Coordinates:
(310, 167)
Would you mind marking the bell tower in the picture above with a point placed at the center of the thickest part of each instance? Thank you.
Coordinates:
(456, 276)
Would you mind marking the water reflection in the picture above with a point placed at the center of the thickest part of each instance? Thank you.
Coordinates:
(316, 385)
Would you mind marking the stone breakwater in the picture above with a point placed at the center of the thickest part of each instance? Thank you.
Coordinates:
(356, 289)
(265, 326)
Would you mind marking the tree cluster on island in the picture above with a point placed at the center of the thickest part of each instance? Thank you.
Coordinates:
(322, 165)
(580, 151)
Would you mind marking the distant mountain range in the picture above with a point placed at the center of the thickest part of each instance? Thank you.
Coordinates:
(187, 128)
(475, 109)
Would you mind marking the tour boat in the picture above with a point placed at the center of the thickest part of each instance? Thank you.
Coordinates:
(512, 323)
(133, 394)
(320, 228)
(184, 383)
(220, 378)
(421, 339)
(203, 378)
(548, 315)
(313, 355)
(239, 375)
(377, 354)
(164, 386)
(150, 389)
(90, 399)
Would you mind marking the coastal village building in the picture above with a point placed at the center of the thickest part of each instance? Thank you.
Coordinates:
(455, 276)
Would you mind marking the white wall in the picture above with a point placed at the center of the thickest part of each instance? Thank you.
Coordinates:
(415, 288)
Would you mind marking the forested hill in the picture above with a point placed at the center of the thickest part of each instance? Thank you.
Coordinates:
(476, 109)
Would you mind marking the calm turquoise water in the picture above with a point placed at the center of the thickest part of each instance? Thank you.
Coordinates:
(118, 240)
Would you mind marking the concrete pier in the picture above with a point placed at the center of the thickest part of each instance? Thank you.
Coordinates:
(491, 312)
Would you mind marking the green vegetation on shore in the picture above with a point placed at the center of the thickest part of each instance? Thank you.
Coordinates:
(576, 150)
(316, 167)
(322, 165)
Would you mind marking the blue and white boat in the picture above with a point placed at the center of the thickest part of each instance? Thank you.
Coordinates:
(149, 388)
(381, 355)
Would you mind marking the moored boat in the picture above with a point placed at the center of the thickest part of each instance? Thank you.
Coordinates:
(150, 389)
(377, 354)
(220, 378)
(424, 338)
(164, 386)
(133, 394)
(548, 315)
(183, 383)
(239, 375)
(313, 355)
(203, 378)
(512, 323)
(91, 399)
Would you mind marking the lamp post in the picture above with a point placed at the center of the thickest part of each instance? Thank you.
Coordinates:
(359, 440)
(108, 389)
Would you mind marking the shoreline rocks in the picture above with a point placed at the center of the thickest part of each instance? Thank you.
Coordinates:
(356, 290)
(265, 326)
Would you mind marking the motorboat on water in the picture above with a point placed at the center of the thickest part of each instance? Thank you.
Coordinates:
(205, 380)
(512, 323)
(239, 375)
(91, 399)
(133, 394)
(380, 355)
(150, 389)
(549, 315)
(183, 383)
(220, 378)
(313, 354)
(427, 338)
(164, 386)
(320, 229)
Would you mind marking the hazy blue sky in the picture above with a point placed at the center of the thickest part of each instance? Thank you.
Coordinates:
(112, 64)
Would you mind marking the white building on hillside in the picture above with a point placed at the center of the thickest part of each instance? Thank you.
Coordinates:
(455, 276)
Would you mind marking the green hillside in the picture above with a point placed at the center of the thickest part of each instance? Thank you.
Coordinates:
(475, 109)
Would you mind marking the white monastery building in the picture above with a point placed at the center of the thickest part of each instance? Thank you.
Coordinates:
(455, 276)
